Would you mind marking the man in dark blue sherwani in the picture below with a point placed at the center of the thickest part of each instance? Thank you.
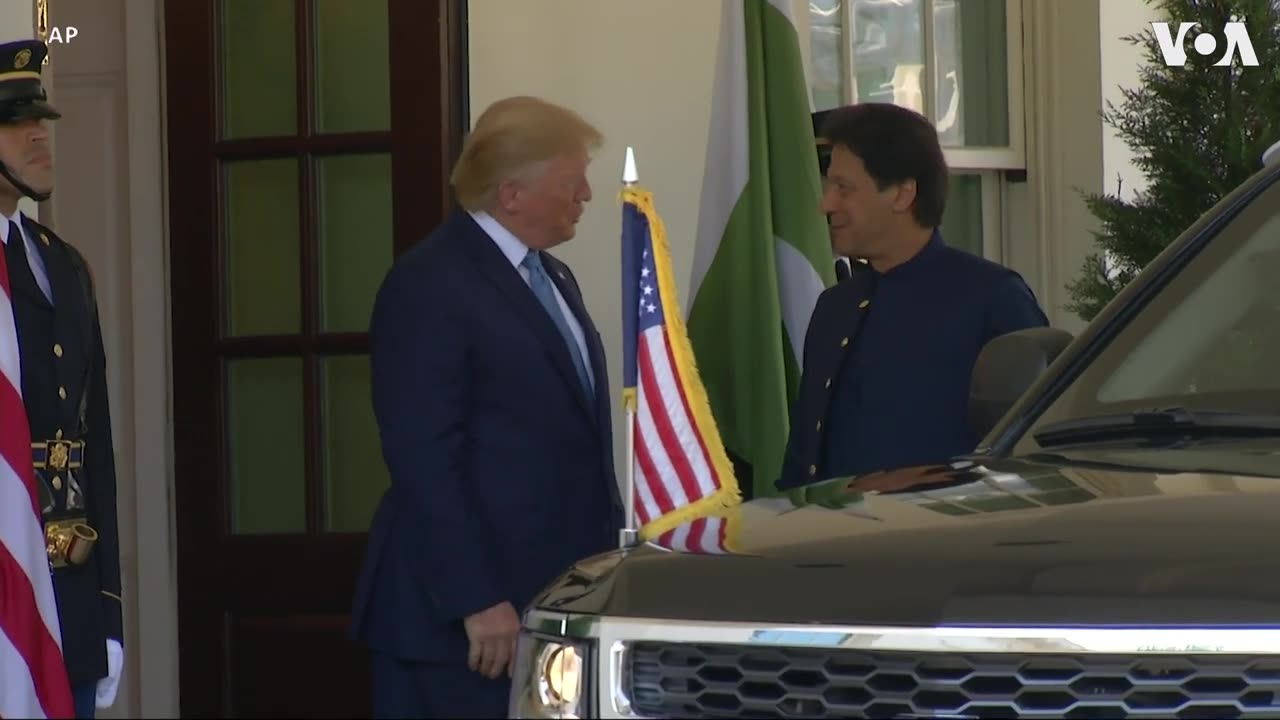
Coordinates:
(889, 352)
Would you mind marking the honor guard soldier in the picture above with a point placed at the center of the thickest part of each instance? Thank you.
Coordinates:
(64, 390)
(890, 350)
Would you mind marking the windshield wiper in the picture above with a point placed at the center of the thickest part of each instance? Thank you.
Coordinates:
(1143, 423)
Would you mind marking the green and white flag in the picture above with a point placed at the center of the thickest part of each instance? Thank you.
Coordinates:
(763, 252)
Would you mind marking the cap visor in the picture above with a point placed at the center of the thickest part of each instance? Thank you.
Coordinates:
(34, 109)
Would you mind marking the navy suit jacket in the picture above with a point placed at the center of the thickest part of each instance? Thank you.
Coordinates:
(501, 465)
(888, 360)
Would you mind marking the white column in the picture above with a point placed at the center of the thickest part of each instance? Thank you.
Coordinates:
(18, 22)
(1048, 222)
(1121, 63)
(156, 653)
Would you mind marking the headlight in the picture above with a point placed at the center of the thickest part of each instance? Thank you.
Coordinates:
(551, 677)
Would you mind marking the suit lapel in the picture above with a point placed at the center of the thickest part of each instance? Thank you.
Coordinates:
(62, 279)
(23, 280)
(495, 268)
(595, 350)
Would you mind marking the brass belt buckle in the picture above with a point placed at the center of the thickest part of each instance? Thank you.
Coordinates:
(68, 541)
(59, 454)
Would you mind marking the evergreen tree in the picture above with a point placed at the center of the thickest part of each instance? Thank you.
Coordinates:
(1197, 131)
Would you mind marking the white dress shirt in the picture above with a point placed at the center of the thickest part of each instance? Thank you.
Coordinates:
(515, 252)
(34, 259)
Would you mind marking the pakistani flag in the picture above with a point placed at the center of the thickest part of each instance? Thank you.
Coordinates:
(763, 253)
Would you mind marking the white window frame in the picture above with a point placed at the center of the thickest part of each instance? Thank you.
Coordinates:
(1010, 157)
(992, 210)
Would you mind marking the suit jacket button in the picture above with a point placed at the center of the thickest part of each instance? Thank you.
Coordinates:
(813, 470)
(864, 303)
(844, 342)
(819, 426)
(828, 383)
(57, 350)
(62, 393)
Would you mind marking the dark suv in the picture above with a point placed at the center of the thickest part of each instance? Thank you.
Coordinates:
(1111, 550)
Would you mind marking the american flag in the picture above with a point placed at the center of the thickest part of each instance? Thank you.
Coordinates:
(681, 470)
(709, 535)
(33, 679)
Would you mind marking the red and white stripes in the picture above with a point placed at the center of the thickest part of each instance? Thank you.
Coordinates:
(703, 536)
(33, 678)
(667, 440)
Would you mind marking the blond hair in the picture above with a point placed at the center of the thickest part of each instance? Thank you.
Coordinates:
(510, 138)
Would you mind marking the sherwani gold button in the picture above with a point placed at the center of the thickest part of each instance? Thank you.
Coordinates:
(819, 425)
(864, 303)
(813, 470)
(57, 350)
(62, 393)
(828, 382)
(57, 483)
(57, 435)
(844, 342)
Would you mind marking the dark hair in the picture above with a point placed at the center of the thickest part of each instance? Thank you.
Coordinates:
(895, 144)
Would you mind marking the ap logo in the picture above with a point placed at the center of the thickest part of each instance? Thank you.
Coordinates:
(1173, 49)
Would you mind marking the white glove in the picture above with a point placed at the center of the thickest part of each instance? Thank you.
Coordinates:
(108, 685)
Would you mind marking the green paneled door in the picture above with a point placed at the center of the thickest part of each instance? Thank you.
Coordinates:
(259, 95)
(353, 458)
(354, 204)
(353, 72)
(265, 420)
(306, 201)
(263, 254)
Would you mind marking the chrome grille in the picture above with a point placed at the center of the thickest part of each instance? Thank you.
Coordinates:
(708, 681)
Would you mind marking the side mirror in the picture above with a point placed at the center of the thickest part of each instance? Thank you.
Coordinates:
(1006, 368)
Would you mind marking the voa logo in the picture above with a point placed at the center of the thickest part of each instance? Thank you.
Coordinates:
(1174, 49)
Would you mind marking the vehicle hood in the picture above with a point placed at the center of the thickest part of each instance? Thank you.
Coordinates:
(1102, 536)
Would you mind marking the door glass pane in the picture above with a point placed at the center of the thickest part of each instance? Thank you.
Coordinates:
(263, 286)
(826, 70)
(971, 100)
(356, 473)
(353, 66)
(259, 91)
(354, 201)
(970, 63)
(264, 413)
(962, 221)
(888, 52)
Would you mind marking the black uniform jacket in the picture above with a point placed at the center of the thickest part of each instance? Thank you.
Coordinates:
(64, 368)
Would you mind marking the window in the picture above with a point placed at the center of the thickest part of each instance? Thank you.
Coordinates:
(1208, 340)
(962, 68)
(305, 169)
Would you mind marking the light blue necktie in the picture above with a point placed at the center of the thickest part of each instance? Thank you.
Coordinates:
(540, 282)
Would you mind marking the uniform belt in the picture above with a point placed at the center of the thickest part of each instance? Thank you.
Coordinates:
(57, 454)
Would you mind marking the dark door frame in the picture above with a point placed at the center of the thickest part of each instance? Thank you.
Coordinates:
(218, 572)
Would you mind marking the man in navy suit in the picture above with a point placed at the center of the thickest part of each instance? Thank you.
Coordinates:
(889, 351)
(491, 396)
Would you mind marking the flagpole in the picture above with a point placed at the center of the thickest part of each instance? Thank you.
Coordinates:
(630, 534)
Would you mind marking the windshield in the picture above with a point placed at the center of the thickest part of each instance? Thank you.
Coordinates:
(1208, 341)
